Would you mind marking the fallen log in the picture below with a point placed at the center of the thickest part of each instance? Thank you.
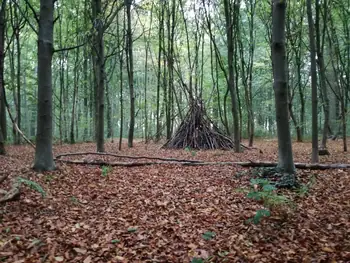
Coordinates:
(126, 157)
(104, 163)
(201, 163)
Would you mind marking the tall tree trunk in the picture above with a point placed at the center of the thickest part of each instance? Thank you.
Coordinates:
(314, 157)
(99, 70)
(160, 42)
(322, 73)
(43, 151)
(3, 133)
(285, 154)
(130, 74)
(231, 80)
(74, 99)
(121, 79)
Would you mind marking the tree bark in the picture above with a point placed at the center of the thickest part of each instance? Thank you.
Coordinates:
(231, 78)
(285, 154)
(43, 152)
(314, 156)
(3, 133)
(322, 73)
(99, 70)
(130, 74)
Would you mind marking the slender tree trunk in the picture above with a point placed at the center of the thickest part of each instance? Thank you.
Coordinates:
(121, 79)
(74, 102)
(3, 132)
(109, 112)
(322, 73)
(285, 154)
(314, 157)
(43, 151)
(160, 37)
(231, 80)
(99, 73)
(130, 74)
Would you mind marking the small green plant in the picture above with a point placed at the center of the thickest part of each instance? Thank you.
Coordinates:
(132, 229)
(208, 235)
(74, 200)
(264, 191)
(115, 241)
(105, 170)
(49, 178)
(197, 260)
(304, 189)
(33, 185)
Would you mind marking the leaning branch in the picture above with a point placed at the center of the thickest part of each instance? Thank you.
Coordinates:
(15, 124)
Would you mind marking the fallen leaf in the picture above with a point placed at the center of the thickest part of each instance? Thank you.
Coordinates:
(87, 259)
(328, 249)
(59, 259)
(80, 250)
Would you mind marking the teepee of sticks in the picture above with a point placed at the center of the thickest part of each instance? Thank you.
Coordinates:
(197, 131)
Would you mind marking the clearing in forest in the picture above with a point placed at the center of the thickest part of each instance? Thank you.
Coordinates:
(172, 212)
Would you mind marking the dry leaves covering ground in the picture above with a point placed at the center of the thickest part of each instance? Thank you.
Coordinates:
(159, 213)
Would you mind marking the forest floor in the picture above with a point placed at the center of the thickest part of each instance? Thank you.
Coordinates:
(170, 212)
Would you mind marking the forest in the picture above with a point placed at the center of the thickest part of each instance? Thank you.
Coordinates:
(174, 131)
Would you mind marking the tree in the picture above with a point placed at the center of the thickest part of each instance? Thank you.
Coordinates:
(285, 154)
(3, 132)
(99, 70)
(130, 66)
(314, 157)
(321, 69)
(231, 78)
(43, 151)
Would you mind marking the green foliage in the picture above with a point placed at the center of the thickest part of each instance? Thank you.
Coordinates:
(74, 200)
(208, 235)
(132, 229)
(115, 241)
(304, 189)
(264, 191)
(197, 260)
(33, 185)
(49, 178)
(105, 170)
(259, 215)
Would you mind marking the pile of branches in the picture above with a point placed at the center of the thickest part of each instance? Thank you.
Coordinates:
(197, 131)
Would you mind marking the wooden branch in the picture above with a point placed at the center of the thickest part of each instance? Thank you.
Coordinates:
(127, 157)
(103, 163)
(201, 163)
(310, 166)
(14, 123)
(4, 177)
(13, 194)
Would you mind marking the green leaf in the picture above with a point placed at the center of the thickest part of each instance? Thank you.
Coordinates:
(208, 235)
(254, 195)
(115, 241)
(197, 260)
(132, 229)
(33, 185)
(269, 188)
(259, 215)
